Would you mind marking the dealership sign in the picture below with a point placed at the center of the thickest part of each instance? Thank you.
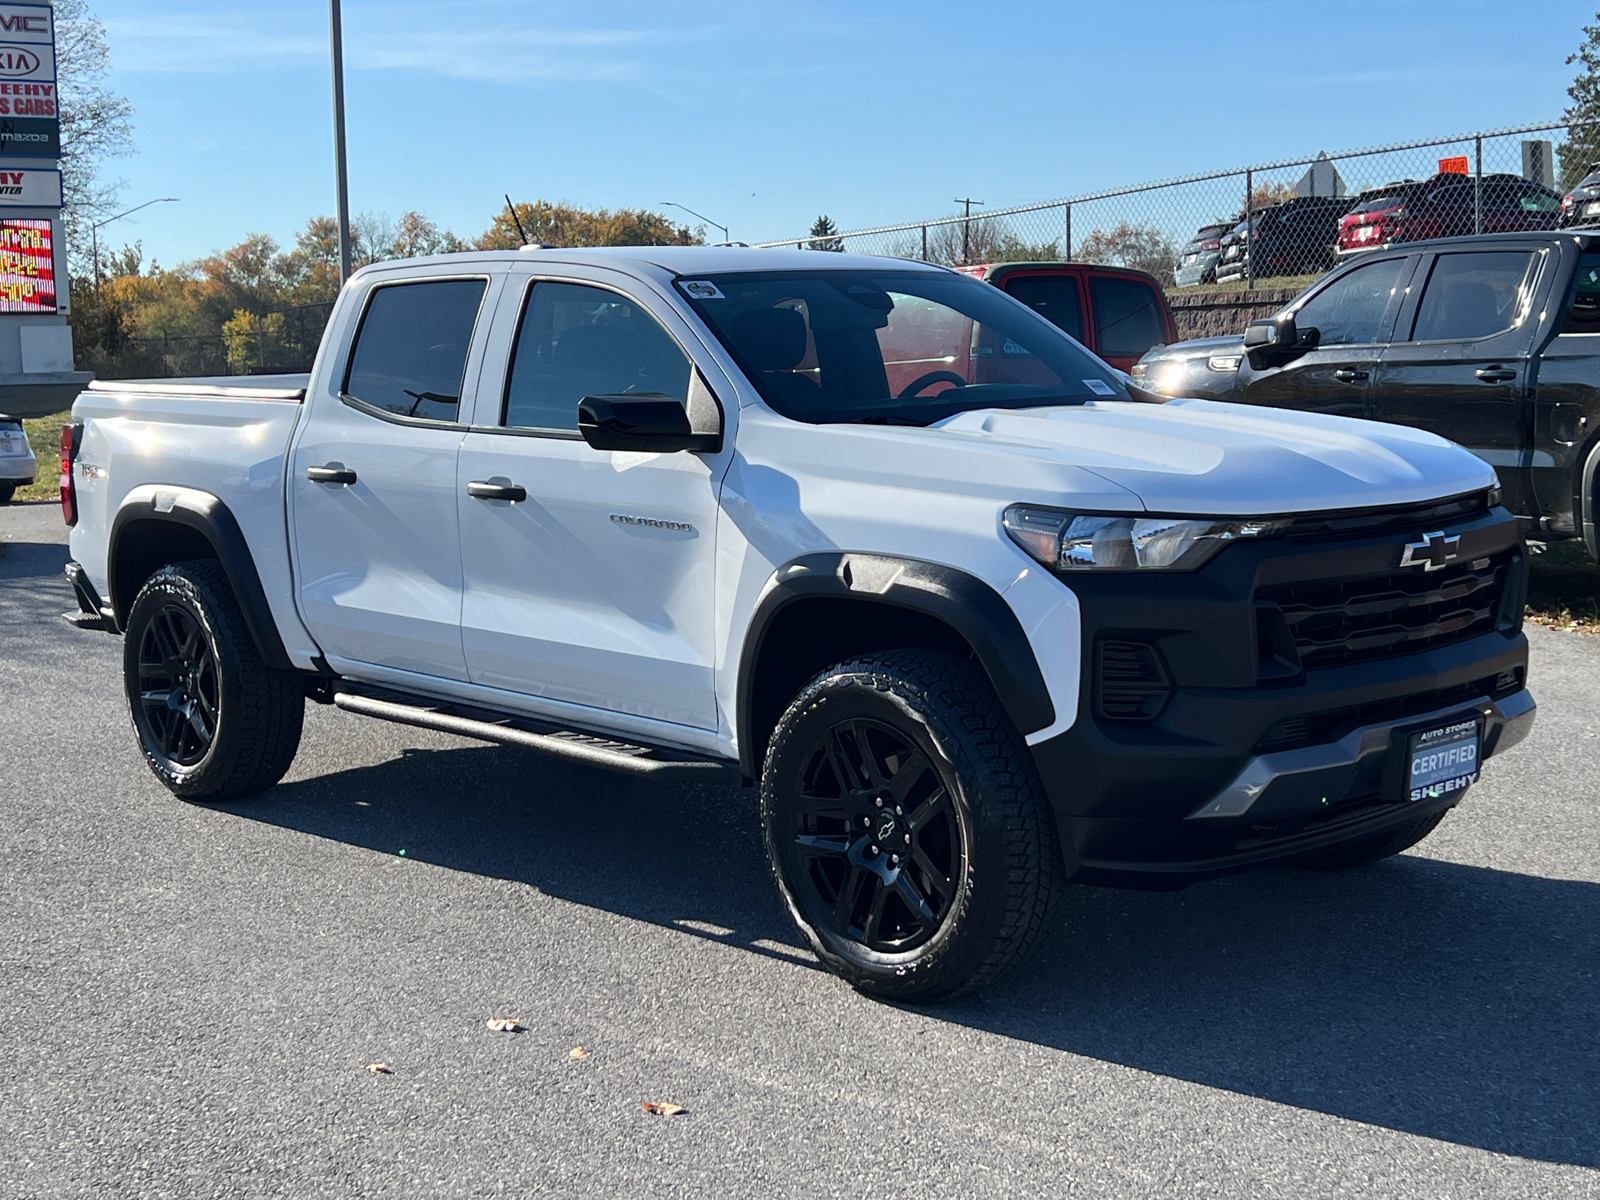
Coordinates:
(29, 121)
(32, 189)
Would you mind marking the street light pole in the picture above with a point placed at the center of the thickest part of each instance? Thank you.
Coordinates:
(94, 233)
(336, 35)
(706, 219)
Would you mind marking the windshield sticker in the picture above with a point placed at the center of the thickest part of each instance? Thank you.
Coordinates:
(701, 289)
(1099, 387)
(1011, 347)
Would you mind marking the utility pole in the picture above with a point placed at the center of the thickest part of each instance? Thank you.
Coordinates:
(336, 33)
(966, 228)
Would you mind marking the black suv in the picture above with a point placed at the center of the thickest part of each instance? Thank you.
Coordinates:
(1293, 238)
(1580, 208)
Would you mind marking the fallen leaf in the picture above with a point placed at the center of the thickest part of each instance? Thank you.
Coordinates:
(504, 1025)
(379, 1068)
(578, 1052)
(663, 1110)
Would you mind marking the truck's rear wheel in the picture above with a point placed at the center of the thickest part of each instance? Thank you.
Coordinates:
(906, 826)
(214, 721)
(1373, 849)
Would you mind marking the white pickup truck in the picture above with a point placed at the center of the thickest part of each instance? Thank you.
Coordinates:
(977, 616)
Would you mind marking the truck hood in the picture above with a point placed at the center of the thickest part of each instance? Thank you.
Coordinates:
(1211, 458)
(1195, 347)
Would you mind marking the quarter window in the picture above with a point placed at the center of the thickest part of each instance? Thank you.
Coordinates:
(1349, 311)
(576, 341)
(1473, 295)
(410, 354)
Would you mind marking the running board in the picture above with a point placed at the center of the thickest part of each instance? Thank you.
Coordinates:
(562, 743)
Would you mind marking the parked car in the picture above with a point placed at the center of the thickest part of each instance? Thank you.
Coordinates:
(1198, 261)
(1116, 312)
(1292, 238)
(706, 513)
(1365, 226)
(1580, 208)
(1489, 340)
(1448, 207)
(18, 466)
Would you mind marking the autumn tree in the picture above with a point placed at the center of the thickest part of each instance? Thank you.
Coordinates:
(568, 225)
(96, 125)
(1142, 247)
(1582, 147)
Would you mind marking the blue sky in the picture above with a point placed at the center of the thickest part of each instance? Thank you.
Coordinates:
(764, 113)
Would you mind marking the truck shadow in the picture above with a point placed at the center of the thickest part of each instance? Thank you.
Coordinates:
(1449, 1001)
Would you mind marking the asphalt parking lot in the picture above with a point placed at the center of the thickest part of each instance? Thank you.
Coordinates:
(190, 997)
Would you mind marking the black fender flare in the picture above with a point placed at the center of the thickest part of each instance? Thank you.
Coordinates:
(961, 601)
(214, 521)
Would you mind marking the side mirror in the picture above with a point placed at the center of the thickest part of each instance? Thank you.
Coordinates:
(1273, 341)
(652, 422)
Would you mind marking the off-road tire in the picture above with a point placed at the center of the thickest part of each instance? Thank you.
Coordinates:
(253, 711)
(1009, 889)
(1373, 849)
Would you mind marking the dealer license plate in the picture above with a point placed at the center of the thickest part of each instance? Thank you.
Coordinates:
(1442, 761)
(1592, 208)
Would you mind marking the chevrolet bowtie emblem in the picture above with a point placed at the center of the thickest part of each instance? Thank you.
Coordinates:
(1432, 553)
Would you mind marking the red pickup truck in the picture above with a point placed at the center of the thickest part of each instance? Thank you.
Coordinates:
(1116, 312)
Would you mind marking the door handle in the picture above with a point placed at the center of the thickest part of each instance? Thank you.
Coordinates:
(1495, 374)
(334, 472)
(1346, 375)
(486, 489)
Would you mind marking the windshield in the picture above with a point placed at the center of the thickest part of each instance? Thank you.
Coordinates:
(892, 347)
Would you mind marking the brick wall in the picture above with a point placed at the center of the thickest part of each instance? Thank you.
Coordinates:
(1215, 314)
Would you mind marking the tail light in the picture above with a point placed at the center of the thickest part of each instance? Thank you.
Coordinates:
(1211, 245)
(1568, 201)
(71, 436)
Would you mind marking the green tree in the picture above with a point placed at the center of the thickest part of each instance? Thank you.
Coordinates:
(1582, 147)
(567, 225)
(825, 235)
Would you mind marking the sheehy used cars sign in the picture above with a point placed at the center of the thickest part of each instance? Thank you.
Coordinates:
(31, 189)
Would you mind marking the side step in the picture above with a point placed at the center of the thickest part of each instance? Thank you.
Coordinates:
(537, 735)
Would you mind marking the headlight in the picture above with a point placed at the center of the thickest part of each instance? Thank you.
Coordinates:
(1224, 362)
(1166, 378)
(1068, 542)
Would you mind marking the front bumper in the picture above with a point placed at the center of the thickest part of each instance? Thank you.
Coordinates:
(1213, 785)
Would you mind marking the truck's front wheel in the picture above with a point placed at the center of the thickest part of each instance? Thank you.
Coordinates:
(906, 826)
(214, 721)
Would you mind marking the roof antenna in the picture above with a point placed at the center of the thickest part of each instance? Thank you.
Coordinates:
(515, 220)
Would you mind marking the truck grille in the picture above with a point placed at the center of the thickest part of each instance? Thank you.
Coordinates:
(1354, 620)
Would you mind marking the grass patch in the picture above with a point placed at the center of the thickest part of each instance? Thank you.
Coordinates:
(1564, 588)
(44, 435)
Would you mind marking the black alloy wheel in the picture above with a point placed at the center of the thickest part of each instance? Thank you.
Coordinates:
(180, 698)
(875, 836)
(213, 720)
(906, 826)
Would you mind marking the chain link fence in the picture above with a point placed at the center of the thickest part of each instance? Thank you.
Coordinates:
(278, 342)
(1277, 224)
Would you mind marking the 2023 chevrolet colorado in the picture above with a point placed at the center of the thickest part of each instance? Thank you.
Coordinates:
(720, 513)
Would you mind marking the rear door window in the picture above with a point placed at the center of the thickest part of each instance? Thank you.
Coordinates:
(1583, 314)
(1053, 297)
(410, 355)
(1473, 295)
(1349, 311)
(576, 341)
(1127, 315)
